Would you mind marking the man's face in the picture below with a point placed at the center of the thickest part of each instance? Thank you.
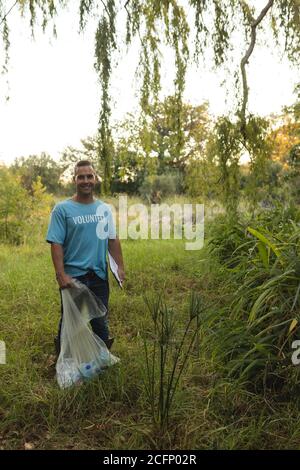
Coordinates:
(85, 180)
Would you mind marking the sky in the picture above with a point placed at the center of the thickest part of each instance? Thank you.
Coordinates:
(54, 90)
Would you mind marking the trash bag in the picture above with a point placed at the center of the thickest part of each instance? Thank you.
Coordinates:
(83, 355)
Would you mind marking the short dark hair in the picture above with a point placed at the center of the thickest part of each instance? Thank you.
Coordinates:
(82, 163)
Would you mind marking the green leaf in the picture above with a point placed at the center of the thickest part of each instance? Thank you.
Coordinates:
(264, 256)
(293, 325)
(264, 240)
(263, 299)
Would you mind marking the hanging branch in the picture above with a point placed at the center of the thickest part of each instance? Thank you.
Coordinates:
(105, 8)
(105, 45)
(245, 60)
(6, 15)
(125, 6)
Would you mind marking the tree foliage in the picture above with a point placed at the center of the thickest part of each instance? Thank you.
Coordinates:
(163, 132)
(155, 24)
(23, 214)
(38, 166)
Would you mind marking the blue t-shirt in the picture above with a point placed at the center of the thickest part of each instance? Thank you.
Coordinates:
(83, 230)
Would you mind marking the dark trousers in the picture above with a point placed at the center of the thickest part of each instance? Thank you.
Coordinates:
(100, 288)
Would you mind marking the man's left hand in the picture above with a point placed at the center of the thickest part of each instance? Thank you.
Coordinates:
(121, 274)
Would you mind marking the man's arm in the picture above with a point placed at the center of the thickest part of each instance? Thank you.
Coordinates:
(57, 253)
(114, 247)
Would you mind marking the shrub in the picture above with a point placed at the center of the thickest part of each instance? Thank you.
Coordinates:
(38, 166)
(155, 188)
(22, 214)
(226, 235)
(251, 335)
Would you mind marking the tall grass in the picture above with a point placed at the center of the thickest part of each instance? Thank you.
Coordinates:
(166, 355)
(252, 334)
(112, 411)
(212, 389)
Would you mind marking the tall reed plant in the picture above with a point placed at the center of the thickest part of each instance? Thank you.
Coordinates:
(168, 349)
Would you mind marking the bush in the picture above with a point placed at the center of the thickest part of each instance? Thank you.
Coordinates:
(201, 180)
(38, 166)
(251, 335)
(22, 214)
(155, 188)
(226, 235)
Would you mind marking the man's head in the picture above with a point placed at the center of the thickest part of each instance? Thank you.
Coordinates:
(85, 177)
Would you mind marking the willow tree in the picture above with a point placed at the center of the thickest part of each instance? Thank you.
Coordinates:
(277, 21)
(156, 24)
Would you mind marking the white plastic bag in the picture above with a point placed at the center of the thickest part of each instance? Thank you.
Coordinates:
(83, 354)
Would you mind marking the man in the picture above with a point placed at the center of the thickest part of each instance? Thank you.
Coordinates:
(81, 230)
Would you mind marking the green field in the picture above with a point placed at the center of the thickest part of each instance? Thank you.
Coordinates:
(160, 109)
(113, 411)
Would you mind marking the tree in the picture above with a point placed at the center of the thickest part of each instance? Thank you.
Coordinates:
(284, 140)
(163, 131)
(150, 147)
(157, 23)
(224, 148)
(284, 136)
(38, 166)
(202, 178)
(13, 206)
(89, 151)
(132, 162)
(23, 213)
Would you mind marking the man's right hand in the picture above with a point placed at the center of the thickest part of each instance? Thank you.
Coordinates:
(64, 280)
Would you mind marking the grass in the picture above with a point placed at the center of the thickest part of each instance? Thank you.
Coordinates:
(113, 412)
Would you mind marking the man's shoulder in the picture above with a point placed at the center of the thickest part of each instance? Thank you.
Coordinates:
(107, 210)
(61, 205)
(103, 204)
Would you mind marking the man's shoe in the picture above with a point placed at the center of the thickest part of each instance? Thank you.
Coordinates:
(109, 342)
